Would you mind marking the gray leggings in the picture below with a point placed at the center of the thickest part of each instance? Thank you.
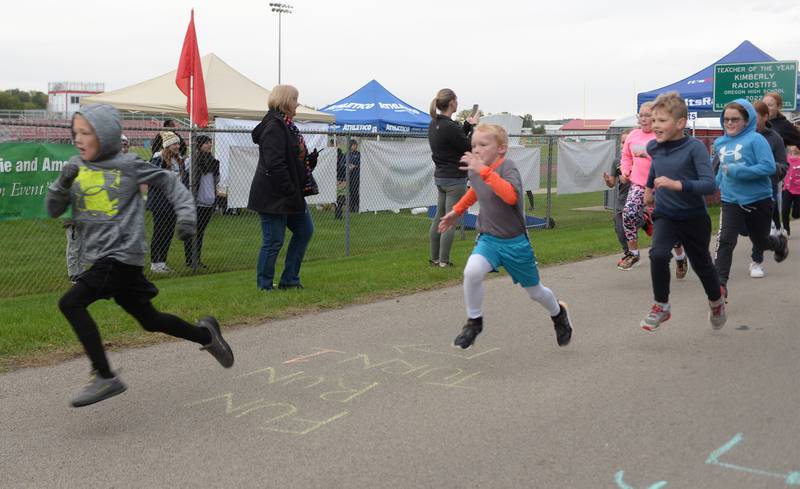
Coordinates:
(442, 242)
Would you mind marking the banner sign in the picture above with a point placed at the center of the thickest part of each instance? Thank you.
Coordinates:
(26, 170)
(581, 165)
(752, 80)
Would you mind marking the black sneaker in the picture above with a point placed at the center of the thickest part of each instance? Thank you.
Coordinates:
(783, 249)
(98, 389)
(562, 325)
(218, 347)
(468, 334)
(290, 286)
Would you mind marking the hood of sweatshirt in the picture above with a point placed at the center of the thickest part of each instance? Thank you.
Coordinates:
(749, 128)
(104, 119)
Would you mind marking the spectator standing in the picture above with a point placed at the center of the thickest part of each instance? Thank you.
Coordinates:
(169, 159)
(448, 141)
(276, 192)
(204, 176)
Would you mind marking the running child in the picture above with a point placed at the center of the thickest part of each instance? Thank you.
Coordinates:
(791, 190)
(746, 164)
(495, 183)
(679, 177)
(101, 185)
(634, 167)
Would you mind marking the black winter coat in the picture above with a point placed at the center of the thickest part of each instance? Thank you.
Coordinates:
(449, 141)
(277, 186)
(789, 133)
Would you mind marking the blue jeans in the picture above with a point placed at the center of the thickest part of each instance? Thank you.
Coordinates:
(273, 229)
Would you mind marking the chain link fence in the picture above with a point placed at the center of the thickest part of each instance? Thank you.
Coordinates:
(375, 193)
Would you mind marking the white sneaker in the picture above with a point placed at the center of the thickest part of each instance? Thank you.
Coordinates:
(773, 231)
(756, 270)
(159, 267)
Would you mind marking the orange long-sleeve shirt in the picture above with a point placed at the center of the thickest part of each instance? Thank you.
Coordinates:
(501, 188)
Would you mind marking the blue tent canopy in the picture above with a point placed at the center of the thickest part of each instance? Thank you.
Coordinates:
(698, 89)
(372, 108)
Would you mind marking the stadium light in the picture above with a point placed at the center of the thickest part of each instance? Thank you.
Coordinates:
(280, 8)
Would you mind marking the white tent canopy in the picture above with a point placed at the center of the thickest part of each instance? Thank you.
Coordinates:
(228, 94)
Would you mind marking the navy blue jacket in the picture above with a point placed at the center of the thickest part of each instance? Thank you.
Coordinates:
(687, 161)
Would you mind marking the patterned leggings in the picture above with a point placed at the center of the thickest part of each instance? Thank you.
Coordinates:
(631, 212)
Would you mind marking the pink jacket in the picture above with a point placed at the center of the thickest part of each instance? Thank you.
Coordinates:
(635, 162)
(791, 182)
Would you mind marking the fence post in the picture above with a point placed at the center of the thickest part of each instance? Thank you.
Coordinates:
(549, 181)
(347, 199)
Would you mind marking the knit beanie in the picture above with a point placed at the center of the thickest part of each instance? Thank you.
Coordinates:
(169, 138)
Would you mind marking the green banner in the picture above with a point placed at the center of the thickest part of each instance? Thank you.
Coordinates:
(26, 170)
(752, 80)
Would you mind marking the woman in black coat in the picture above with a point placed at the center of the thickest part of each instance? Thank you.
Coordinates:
(277, 190)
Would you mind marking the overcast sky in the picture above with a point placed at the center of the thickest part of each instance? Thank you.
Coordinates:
(551, 59)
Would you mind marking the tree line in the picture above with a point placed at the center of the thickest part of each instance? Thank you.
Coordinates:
(16, 99)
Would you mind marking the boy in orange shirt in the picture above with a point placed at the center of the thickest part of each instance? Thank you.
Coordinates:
(503, 241)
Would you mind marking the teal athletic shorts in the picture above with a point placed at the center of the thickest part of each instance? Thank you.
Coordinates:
(515, 254)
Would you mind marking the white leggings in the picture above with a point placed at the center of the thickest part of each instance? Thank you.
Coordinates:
(477, 268)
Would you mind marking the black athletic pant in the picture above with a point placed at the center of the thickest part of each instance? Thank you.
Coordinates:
(755, 218)
(790, 209)
(132, 291)
(695, 235)
(163, 229)
(204, 215)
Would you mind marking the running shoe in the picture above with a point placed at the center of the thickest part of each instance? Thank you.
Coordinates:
(622, 259)
(756, 270)
(628, 262)
(717, 316)
(218, 347)
(654, 318)
(681, 268)
(98, 389)
(471, 330)
(783, 249)
(562, 325)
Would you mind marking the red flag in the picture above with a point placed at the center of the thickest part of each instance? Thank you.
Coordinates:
(189, 66)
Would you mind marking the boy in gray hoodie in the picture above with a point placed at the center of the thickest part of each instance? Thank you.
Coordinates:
(101, 185)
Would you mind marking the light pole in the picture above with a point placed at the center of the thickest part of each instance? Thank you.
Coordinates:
(281, 8)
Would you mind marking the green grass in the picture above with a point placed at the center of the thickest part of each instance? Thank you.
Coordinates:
(389, 257)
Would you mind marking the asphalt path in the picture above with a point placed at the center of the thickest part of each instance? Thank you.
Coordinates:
(374, 396)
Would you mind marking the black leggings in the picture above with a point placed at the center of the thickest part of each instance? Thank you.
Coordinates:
(695, 235)
(204, 215)
(755, 218)
(131, 293)
(163, 229)
(790, 209)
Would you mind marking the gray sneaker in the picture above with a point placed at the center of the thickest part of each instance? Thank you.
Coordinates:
(654, 318)
(98, 389)
(717, 316)
(218, 347)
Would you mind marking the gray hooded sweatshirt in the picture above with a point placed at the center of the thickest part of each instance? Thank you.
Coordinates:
(105, 199)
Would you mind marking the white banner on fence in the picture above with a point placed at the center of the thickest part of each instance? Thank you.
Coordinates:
(244, 160)
(399, 175)
(581, 165)
(396, 175)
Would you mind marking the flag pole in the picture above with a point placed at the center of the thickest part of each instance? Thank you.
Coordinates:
(194, 251)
